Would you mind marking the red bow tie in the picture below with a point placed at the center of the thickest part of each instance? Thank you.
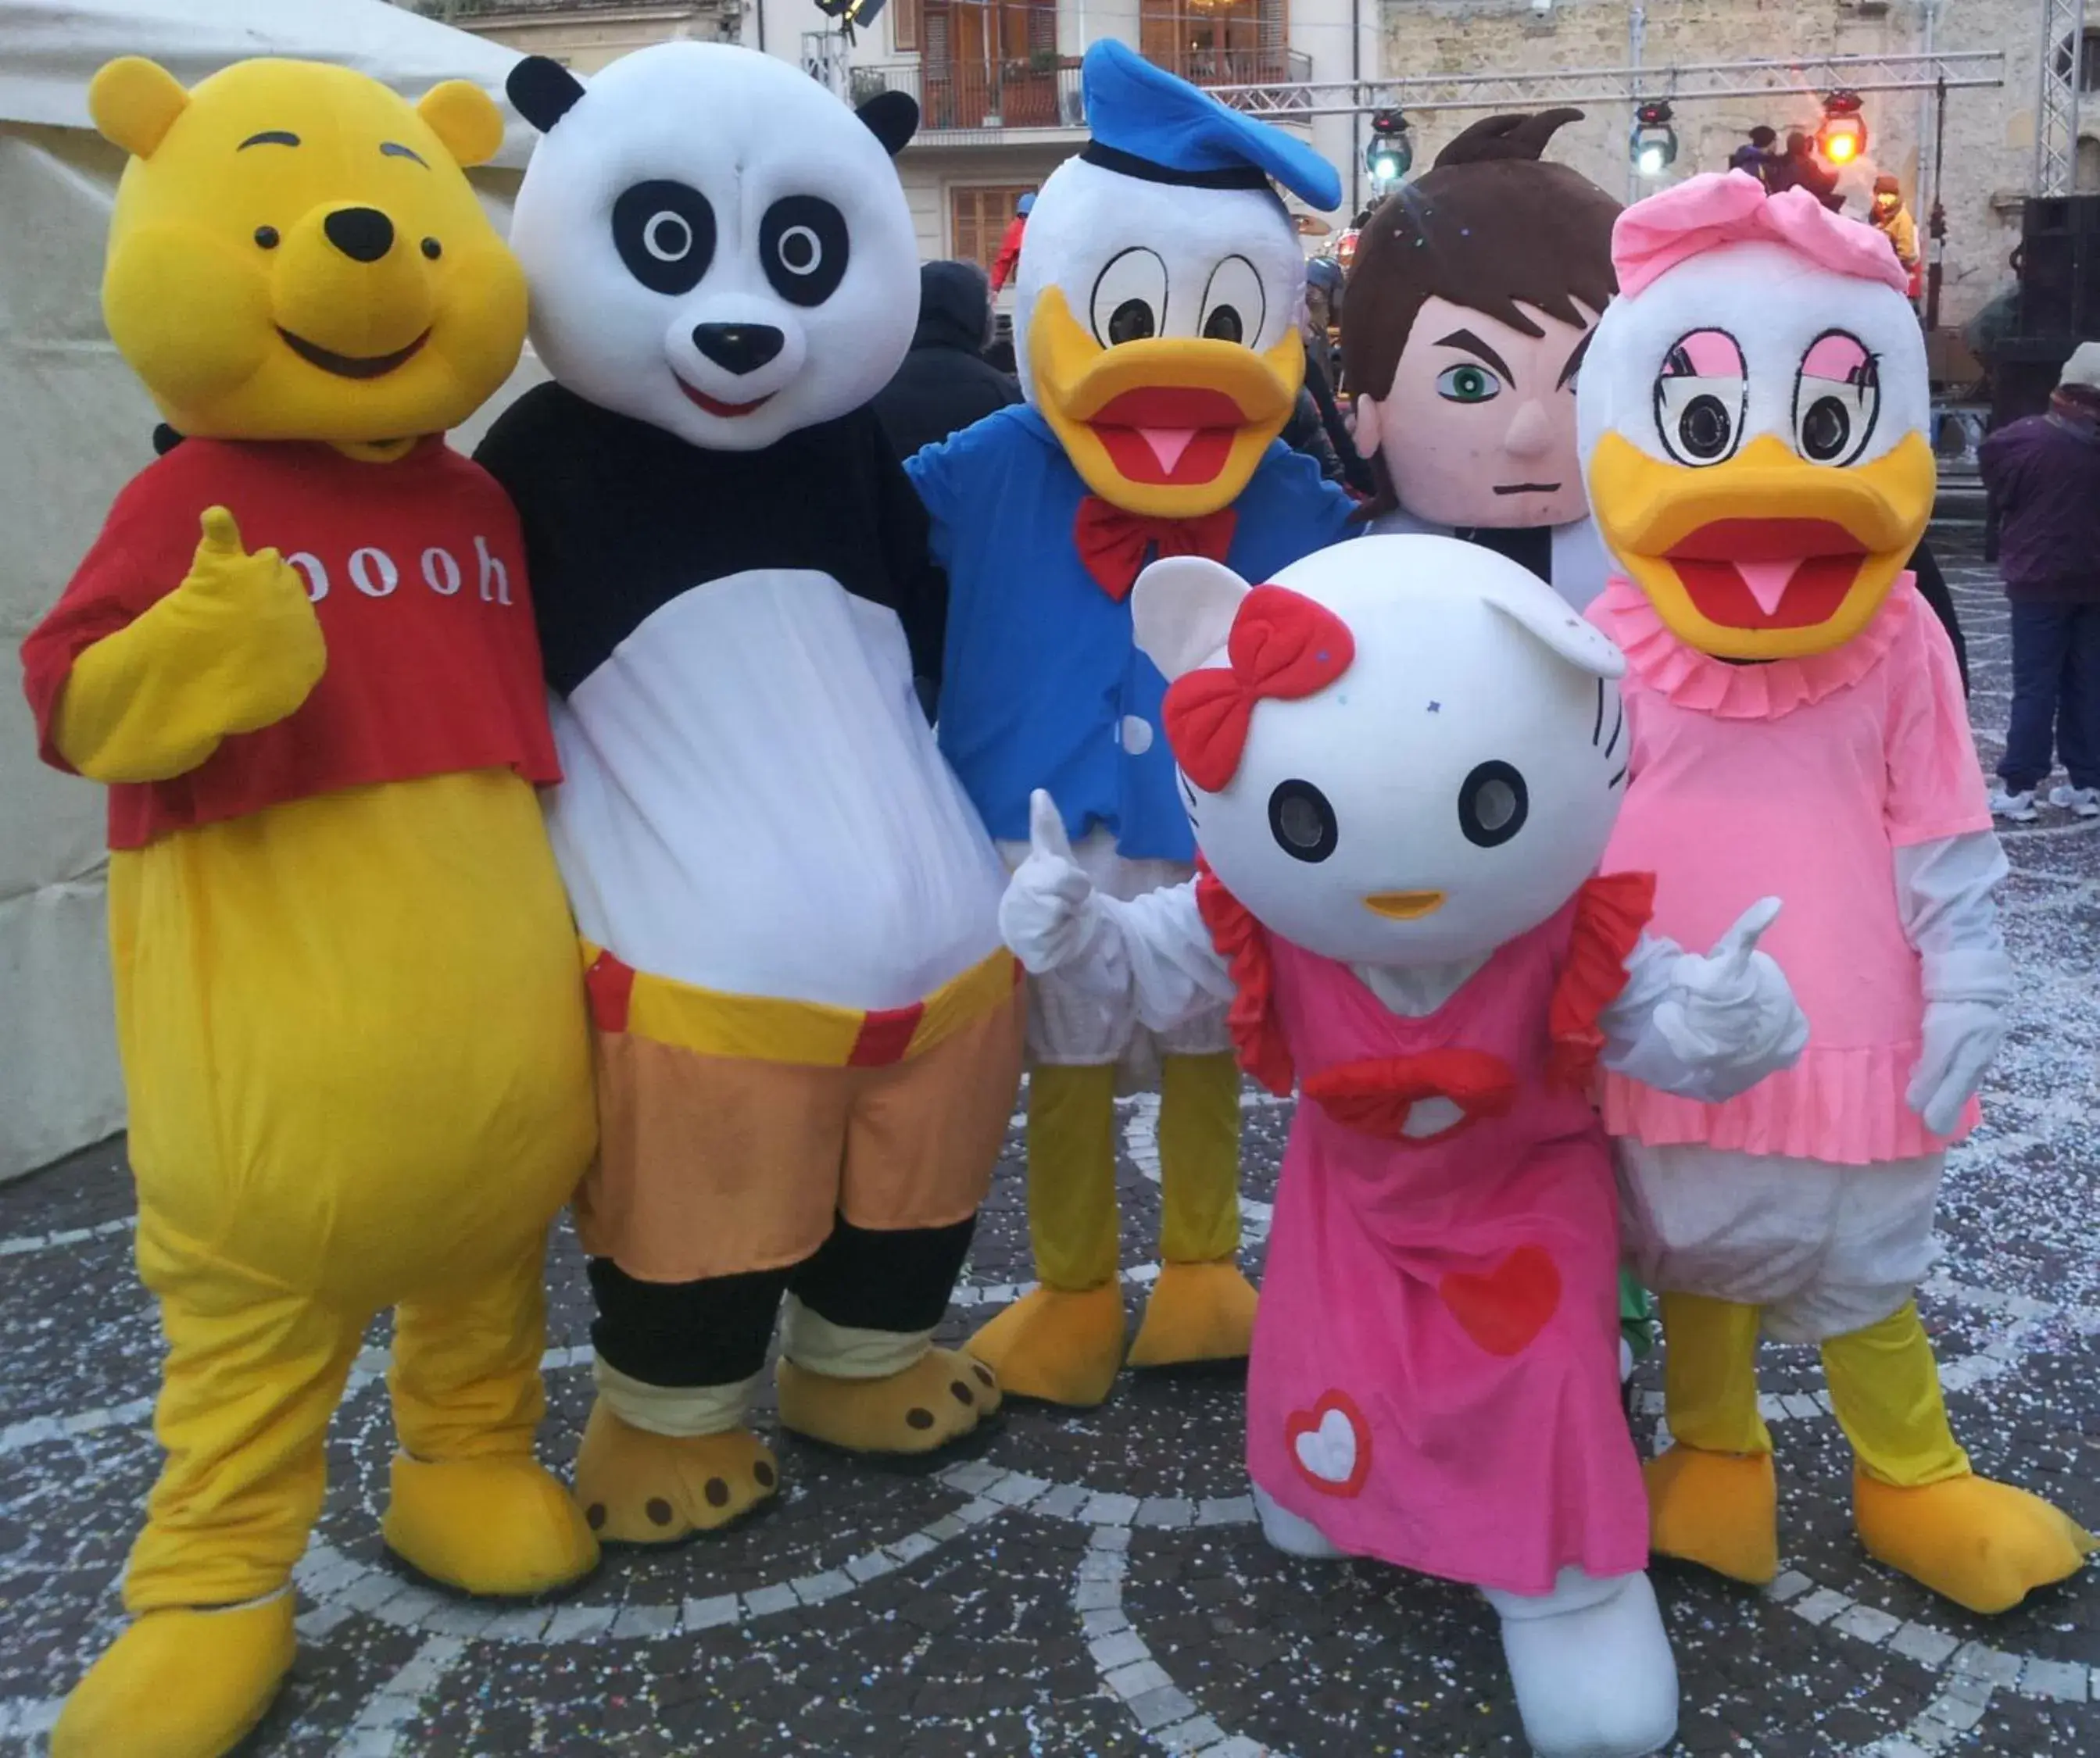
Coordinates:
(1115, 545)
(1376, 1096)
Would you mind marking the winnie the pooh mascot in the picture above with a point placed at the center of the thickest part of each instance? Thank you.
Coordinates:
(301, 657)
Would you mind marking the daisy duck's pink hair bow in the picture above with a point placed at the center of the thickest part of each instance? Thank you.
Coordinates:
(1704, 212)
(1283, 645)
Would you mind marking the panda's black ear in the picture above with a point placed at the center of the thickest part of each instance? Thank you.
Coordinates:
(542, 91)
(892, 118)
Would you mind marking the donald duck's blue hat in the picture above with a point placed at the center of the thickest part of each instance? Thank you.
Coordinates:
(1148, 124)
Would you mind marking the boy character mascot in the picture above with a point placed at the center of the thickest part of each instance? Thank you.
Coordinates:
(808, 1034)
(301, 656)
(1754, 416)
(1397, 758)
(1157, 318)
(1471, 301)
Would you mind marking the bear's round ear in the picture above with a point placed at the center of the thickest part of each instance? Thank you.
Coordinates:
(543, 91)
(892, 118)
(465, 118)
(1182, 612)
(134, 102)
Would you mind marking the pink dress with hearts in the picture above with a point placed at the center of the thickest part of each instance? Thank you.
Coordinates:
(1435, 1377)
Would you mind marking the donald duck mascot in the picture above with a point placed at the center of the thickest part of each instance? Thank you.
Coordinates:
(1156, 335)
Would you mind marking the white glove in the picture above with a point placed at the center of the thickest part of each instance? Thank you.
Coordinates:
(1961, 1040)
(1706, 1026)
(1050, 916)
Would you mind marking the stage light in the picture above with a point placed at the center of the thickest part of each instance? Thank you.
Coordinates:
(1842, 138)
(1654, 142)
(1392, 150)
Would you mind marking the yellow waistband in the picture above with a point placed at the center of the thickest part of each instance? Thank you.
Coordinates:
(761, 1028)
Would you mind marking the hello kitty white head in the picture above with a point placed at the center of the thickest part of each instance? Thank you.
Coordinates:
(1401, 752)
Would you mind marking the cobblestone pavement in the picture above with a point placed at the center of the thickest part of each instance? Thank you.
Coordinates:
(1092, 1584)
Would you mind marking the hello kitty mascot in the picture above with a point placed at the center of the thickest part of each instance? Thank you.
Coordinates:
(1401, 797)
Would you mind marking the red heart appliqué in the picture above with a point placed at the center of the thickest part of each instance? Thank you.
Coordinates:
(1504, 1310)
(1330, 1445)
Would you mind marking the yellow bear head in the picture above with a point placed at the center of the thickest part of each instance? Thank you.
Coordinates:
(296, 252)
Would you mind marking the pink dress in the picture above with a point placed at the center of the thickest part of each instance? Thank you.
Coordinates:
(1798, 779)
(1435, 1377)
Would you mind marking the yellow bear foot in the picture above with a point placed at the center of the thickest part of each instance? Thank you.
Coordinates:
(939, 1397)
(1062, 1347)
(1720, 1510)
(1198, 1312)
(1982, 1545)
(501, 1527)
(180, 1684)
(637, 1488)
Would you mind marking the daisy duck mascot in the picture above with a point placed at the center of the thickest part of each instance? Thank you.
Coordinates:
(1403, 759)
(1752, 417)
(1157, 329)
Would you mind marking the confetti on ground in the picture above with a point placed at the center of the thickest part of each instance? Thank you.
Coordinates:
(1091, 1584)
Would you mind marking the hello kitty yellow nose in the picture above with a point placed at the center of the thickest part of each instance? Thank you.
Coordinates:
(1404, 905)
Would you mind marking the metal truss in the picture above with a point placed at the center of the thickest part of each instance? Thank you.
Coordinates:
(1686, 82)
(2056, 111)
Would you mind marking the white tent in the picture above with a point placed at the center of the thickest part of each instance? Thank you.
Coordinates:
(79, 426)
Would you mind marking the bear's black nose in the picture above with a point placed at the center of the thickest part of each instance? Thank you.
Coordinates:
(364, 235)
(737, 347)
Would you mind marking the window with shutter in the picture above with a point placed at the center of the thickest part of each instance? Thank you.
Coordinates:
(978, 215)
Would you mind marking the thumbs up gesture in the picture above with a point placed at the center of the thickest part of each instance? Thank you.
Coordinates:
(253, 610)
(1050, 914)
(1731, 1011)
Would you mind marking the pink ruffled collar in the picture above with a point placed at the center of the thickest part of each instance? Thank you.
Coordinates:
(1706, 685)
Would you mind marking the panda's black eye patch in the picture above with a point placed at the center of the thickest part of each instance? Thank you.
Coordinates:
(802, 246)
(665, 234)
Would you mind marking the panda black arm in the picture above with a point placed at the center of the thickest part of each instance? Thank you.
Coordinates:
(522, 449)
(919, 586)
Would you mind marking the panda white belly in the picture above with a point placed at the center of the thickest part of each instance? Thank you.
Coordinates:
(754, 802)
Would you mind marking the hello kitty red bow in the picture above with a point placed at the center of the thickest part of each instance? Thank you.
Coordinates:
(1283, 645)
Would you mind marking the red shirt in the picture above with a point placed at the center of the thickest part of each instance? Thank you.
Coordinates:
(417, 571)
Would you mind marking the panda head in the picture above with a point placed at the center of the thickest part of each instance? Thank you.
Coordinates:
(715, 244)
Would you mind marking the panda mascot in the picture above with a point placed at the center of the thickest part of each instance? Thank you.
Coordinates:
(808, 1034)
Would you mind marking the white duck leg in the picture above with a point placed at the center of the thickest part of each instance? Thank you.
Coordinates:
(1591, 1666)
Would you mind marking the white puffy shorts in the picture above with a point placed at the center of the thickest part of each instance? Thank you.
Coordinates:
(1824, 1250)
(1068, 1027)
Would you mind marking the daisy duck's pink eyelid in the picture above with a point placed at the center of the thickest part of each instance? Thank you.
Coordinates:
(1704, 354)
(1840, 358)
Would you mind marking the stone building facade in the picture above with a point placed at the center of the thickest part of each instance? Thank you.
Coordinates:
(1990, 133)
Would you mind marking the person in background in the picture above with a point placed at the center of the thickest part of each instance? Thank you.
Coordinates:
(1009, 259)
(1323, 315)
(1893, 220)
(945, 384)
(1932, 588)
(2043, 476)
(1798, 168)
(1754, 156)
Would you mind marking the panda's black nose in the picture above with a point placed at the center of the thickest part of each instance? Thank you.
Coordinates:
(363, 235)
(737, 347)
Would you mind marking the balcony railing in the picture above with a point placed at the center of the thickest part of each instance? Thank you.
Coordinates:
(1043, 91)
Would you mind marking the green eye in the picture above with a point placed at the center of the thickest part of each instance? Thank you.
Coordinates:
(1467, 384)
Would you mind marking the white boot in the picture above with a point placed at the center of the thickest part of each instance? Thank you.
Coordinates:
(1294, 1537)
(1592, 1665)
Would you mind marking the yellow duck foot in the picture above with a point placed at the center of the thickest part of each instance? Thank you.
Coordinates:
(501, 1527)
(1198, 1312)
(180, 1683)
(938, 1398)
(637, 1488)
(1720, 1510)
(1062, 1347)
(1984, 1545)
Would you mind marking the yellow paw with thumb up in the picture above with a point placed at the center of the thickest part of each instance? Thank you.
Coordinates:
(273, 652)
